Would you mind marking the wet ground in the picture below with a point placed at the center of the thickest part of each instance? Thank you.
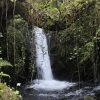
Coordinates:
(72, 93)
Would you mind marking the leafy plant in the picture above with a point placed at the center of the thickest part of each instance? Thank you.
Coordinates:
(3, 75)
(8, 93)
(86, 52)
(5, 63)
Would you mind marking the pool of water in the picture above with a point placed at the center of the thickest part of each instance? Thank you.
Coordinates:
(72, 93)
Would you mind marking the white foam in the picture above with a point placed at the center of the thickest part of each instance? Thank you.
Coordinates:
(51, 85)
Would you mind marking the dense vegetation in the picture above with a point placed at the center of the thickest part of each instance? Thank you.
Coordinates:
(74, 30)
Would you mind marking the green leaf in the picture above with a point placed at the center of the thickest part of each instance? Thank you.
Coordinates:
(4, 75)
(4, 63)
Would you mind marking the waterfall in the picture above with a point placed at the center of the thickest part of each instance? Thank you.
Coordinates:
(45, 77)
(42, 56)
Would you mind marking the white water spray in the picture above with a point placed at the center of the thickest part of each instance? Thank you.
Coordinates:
(45, 77)
(42, 56)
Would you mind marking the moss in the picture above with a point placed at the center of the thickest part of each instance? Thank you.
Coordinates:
(8, 93)
(89, 98)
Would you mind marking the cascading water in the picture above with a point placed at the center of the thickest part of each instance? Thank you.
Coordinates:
(42, 56)
(45, 77)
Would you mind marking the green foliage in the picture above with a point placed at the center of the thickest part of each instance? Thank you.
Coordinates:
(86, 52)
(20, 34)
(77, 46)
(62, 11)
(4, 75)
(17, 47)
(8, 93)
(19, 66)
(4, 63)
(98, 31)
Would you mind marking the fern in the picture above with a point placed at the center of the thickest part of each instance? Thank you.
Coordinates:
(4, 63)
(4, 75)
